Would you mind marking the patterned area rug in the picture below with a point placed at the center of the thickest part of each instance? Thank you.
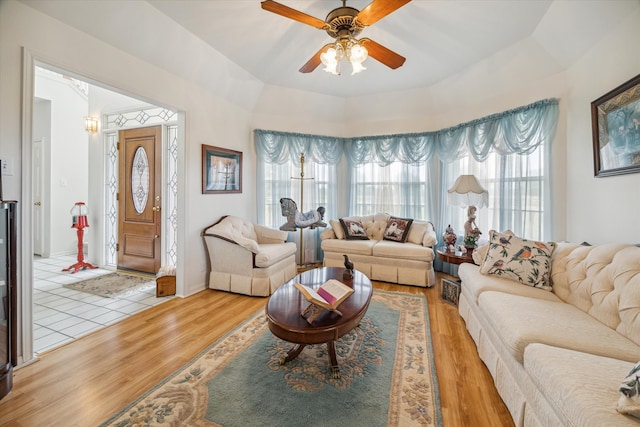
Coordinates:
(113, 285)
(387, 377)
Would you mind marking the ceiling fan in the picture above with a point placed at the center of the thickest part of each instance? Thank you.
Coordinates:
(344, 24)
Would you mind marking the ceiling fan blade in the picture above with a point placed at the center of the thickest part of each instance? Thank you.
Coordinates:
(313, 63)
(296, 15)
(378, 9)
(382, 54)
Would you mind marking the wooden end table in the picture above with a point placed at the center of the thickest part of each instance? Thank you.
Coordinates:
(286, 303)
(450, 289)
(453, 257)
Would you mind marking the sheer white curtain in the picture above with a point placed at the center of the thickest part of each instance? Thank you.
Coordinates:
(519, 197)
(398, 189)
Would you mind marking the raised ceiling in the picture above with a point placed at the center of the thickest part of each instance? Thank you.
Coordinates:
(440, 39)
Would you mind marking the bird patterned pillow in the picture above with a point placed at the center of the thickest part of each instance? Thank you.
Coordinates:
(525, 261)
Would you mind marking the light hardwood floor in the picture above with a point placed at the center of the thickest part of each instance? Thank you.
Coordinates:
(85, 382)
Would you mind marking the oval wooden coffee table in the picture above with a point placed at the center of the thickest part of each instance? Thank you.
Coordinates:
(286, 303)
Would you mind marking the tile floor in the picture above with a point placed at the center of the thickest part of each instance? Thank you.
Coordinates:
(61, 315)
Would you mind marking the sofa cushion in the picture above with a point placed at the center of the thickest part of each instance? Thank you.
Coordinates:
(417, 232)
(236, 230)
(397, 229)
(581, 387)
(353, 229)
(604, 281)
(408, 251)
(526, 261)
(349, 247)
(375, 225)
(474, 283)
(270, 253)
(520, 321)
(336, 226)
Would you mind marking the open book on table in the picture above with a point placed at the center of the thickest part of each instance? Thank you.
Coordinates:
(328, 296)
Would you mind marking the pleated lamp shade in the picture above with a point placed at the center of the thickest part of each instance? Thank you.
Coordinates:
(467, 191)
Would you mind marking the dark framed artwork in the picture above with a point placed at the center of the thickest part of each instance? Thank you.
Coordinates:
(221, 170)
(615, 122)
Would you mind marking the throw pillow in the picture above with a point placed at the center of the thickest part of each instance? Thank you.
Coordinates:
(480, 253)
(416, 232)
(337, 228)
(522, 260)
(353, 229)
(629, 401)
(397, 229)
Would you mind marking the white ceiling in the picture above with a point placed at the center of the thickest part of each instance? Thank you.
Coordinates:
(440, 39)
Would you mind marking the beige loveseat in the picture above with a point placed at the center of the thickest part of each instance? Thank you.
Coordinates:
(408, 263)
(248, 258)
(559, 357)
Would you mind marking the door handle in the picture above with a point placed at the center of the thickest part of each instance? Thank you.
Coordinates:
(156, 209)
(37, 203)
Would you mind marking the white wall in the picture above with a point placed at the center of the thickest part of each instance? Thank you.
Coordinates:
(68, 167)
(600, 209)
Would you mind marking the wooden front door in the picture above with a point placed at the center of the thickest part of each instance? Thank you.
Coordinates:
(139, 199)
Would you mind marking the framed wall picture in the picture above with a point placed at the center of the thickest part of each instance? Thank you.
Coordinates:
(221, 170)
(615, 121)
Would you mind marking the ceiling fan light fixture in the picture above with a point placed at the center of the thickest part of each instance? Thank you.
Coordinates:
(330, 61)
(358, 54)
(344, 24)
(357, 67)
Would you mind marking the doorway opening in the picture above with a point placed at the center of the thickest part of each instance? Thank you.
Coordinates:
(70, 165)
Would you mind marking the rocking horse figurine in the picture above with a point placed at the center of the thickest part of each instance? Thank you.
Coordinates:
(296, 219)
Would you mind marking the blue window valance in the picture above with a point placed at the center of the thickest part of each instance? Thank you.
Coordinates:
(520, 131)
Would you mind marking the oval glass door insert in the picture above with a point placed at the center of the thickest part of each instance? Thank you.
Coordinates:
(140, 180)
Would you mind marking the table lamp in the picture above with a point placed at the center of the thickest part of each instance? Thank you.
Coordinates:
(467, 192)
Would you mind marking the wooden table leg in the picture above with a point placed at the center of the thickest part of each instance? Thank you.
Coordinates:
(293, 353)
(335, 369)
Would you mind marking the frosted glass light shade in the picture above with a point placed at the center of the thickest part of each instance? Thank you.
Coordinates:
(467, 191)
(330, 61)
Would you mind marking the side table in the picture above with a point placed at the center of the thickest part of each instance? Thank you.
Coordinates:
(453, 257)
(450, 289)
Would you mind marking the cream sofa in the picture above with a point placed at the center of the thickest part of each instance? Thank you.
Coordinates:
(558, 358)
(409, 263)
(248, 258)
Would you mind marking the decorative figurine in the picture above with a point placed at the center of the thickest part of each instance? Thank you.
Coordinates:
(449, 238)
(348, 273)
(471, 231)
(297, 219)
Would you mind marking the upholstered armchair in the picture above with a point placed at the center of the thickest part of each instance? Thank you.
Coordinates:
(248, 258)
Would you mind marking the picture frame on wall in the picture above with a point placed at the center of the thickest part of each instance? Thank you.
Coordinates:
(615, 121)
(221, 170)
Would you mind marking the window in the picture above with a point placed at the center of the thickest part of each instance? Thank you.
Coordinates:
(517, 193)
(398, 189)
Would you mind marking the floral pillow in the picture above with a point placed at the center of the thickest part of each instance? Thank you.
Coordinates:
(353, 230)
(525, 261)
(629, 401)
(397, 229)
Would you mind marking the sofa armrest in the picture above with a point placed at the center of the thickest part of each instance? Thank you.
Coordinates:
(248, 244)
(228, 256)
(328, 234)
(269, 235)
(430, 239)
